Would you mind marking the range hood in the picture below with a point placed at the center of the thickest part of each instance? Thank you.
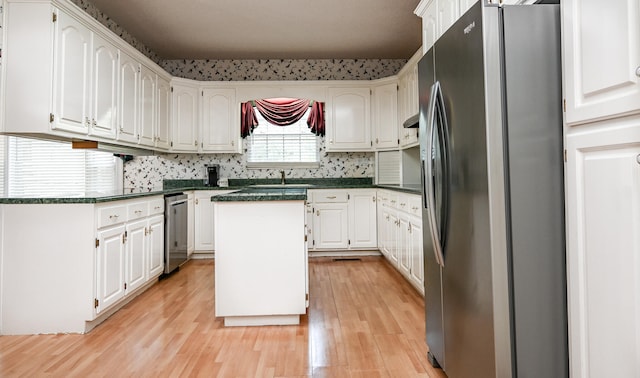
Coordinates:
(411, 122)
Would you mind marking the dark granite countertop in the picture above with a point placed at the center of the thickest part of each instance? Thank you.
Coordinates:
(263, 194)
(176, 186)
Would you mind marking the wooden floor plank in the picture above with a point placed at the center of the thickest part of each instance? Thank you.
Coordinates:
(364, 320)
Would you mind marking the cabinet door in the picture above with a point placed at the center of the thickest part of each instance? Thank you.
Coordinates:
(603, 250)
(349, 119)
(465, 5)
(128, 119)
(163, 98)
(309, 225)
(155, 246)
(110, 260)
(104, 107)
(385, 109)
(416, 254)
(136, 267)
(220, 125)
(203, 213)
(392, 236)
(330, 226)
(185, 118)
(410, 136)
(190, 223)
(72, 84)
(430, 31)
(362, 219)
(602, 58)
(448, 11)
(147, 106)
(404, 256)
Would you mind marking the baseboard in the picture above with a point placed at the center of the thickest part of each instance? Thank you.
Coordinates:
(344, 253)
(202, 255)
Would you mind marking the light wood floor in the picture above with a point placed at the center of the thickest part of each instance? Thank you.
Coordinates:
(364, 321)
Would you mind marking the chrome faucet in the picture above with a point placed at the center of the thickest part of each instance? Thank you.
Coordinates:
(282, 177)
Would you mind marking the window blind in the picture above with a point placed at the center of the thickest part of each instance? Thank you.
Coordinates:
(389, 167)
(282, 144)
(39, 168)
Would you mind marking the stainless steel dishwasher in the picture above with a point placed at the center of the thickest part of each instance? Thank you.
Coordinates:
(175, 235)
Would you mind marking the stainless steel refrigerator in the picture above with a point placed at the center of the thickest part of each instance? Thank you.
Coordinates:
(493, 210)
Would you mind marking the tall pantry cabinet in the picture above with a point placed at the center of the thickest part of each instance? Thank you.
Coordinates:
(601, 47)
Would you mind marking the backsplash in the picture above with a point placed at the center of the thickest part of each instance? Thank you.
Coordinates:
(284, 69)
(146, 173)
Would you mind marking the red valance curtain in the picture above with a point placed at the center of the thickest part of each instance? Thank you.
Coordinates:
(315, 121)
(248, 119)
(282, 112)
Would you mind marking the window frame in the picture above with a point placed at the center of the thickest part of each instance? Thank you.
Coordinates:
(282, 164)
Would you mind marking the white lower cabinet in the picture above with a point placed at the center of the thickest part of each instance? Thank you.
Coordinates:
(110, 262)
(362, 219)
(343, 219)
(190, 223)
(204, 239)
(330, 226)
(136, 241)
(129, 248)
(416, 274)
(603, 248)
(401, 234)
(155, 247)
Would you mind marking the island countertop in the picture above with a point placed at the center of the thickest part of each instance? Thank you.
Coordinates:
(263, 194)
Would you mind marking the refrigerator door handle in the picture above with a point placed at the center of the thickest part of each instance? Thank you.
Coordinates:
(436, 118)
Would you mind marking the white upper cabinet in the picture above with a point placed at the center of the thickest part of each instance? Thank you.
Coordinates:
(465, 5)
(128, 120)
(428, 10)
(448, 13)
(147, 107)
(408, 101)
(67, 77)
(163, 107)
(385, 116)
(348, 121)
(602, 58)
(184, 117)
(104, 105)
(220, 123)
(72, 84)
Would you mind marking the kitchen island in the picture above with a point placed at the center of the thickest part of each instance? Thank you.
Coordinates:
(261, 273)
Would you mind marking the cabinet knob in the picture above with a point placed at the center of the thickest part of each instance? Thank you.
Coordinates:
(196, 201)
(638, 71)
(638, 158)
(330, 141)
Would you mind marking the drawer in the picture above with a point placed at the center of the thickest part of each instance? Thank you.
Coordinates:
(403, 202)
(415, 205)
(108, 216)
(329, 196)
(393, 200)
(156, 206)
(137, 210)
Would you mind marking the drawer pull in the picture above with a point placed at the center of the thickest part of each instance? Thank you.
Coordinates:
(331, 197)
(114, 216)
(138, 211)
(157, 208)
(402, 204)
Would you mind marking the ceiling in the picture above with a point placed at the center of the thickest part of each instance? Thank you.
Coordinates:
(274, 29)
